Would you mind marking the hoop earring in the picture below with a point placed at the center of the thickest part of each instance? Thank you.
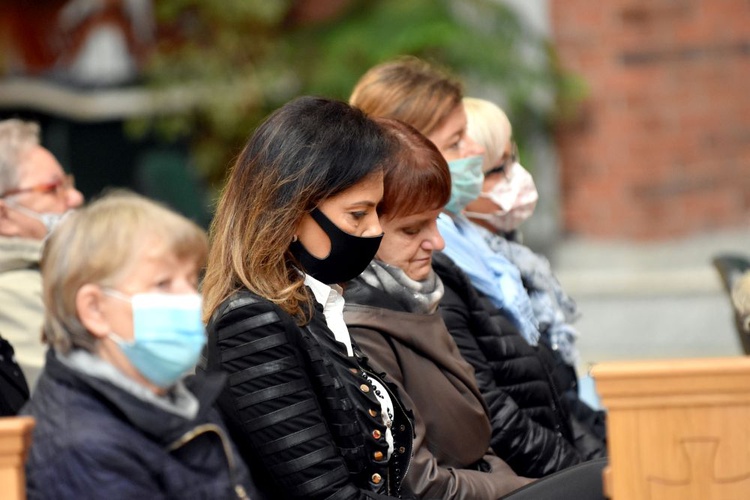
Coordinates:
(294, 238)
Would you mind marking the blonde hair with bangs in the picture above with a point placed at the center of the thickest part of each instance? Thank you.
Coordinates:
(99, 242)
(489, 126)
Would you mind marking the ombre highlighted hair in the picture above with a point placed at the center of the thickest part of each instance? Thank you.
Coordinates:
(304, 153)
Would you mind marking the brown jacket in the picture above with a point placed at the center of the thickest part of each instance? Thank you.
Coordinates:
(451, 447)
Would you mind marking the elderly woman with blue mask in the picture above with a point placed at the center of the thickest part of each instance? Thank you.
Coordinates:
(114, 416)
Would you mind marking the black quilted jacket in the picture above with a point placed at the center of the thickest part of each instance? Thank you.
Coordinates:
(304, 417)
(532, 428)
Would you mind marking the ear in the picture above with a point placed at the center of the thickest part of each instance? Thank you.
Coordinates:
(89, 310)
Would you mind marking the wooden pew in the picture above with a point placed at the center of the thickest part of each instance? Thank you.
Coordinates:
(15, 439)
(677, 429)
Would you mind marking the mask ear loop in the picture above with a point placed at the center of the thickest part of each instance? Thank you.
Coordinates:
(49, 220)
(26, 211)
(117, 294)
(119, 340)
(114, 337)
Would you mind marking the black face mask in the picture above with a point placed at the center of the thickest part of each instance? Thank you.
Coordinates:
(349, 254)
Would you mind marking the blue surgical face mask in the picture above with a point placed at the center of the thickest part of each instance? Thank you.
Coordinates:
(168, 335)
(466, 182)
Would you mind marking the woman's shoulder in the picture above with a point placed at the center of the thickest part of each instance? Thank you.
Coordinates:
(69, 455)
(359, 293)
(66, 415)
(245, 299)
(244, 304)
(459, 292)
(446, 268)
(244, 317)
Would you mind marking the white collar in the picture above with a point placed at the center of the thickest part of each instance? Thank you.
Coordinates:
(323, 293)
(332, 299)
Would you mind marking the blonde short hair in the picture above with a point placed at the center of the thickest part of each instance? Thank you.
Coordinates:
(410, 90)
(95, 245)
(16, 137)
(489, 126)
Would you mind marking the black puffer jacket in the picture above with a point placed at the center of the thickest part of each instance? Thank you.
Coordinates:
(304, 416)
(512, 375)
(589, 426)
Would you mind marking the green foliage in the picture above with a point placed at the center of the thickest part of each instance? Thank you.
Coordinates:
(243, 58)
(377, 31)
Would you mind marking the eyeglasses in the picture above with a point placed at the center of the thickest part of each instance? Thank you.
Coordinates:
(507, 162)
(60, 186)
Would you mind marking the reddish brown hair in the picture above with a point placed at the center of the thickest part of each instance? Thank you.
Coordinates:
(416, 176)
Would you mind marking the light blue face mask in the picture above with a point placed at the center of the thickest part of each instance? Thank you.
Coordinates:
(168, 335)
(466, 182)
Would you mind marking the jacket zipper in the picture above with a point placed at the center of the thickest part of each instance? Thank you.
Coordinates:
(190, 435)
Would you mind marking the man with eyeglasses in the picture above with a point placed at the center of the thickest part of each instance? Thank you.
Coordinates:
(35, 194)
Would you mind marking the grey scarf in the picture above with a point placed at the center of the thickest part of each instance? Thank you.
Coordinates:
(420, 297)
(178, 401)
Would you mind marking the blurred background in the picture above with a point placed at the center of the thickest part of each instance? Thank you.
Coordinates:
(632, 115)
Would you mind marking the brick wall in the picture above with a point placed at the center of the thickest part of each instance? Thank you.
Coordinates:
(661, 146)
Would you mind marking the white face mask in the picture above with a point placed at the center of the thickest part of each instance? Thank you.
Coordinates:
(49, 219)
(515, 196)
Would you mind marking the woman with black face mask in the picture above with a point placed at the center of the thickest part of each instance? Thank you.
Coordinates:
(297, 216)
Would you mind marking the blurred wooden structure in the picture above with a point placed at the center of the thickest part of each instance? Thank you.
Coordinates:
(677, 429)
(15, 439)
